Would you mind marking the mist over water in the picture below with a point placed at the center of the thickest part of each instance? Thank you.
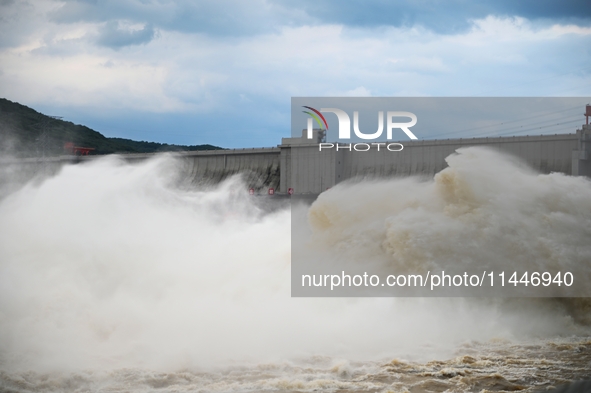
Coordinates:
(486, 210)
(109, 265)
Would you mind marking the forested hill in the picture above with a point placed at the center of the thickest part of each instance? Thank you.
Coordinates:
(25, 132)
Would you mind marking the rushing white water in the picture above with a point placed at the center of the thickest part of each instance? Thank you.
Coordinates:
(110, 265)
(486, 210)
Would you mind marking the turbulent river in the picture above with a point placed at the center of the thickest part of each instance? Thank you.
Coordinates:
(117, 277)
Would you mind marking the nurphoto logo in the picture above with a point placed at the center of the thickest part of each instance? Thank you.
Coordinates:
(345, 128)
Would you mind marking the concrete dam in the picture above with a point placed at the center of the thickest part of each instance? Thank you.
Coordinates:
(299, 165)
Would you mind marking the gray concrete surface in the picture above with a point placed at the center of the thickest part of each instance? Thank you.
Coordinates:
(308, 170)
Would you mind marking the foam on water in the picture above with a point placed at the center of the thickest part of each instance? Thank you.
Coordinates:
(110, 265)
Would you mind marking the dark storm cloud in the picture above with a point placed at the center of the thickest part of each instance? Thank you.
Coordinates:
(235, 17)
(113, 36)
(102, 10)
(441, 16)
(226, 18)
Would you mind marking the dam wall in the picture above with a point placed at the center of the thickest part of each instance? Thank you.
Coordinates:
(259, 167)
(309, 170)
(301, 166)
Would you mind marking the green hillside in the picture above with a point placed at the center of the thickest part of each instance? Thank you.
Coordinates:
(25, 132)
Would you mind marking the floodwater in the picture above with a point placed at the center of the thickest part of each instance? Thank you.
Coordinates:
(118, 277)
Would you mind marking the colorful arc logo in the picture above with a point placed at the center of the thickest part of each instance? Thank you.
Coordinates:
(316, 112)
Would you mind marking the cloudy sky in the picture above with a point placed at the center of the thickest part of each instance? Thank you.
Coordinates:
(224, 71)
